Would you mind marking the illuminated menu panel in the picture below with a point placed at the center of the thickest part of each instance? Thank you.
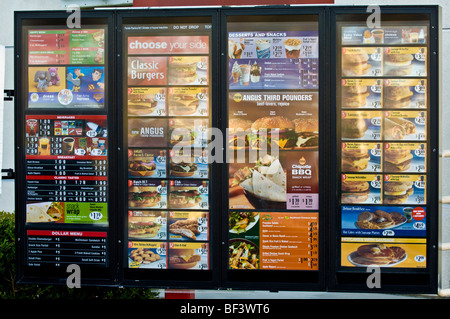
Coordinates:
(273, 145)
(383, 106)
(67, 169)
(66, 68)
(168, 114)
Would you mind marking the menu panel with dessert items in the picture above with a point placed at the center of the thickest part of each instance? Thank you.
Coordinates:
(273, 145)
(383, 136)
(167, 94)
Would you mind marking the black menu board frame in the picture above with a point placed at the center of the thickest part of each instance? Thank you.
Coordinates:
(89, 245)
(330, 275)
(344, 275)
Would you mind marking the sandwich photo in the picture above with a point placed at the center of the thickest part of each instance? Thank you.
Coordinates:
(145, 227)
(355, 64)
(184, 196)
(307, 131)
(398, 64)
(354, 96)
(397, 96)
(182, 71)
(354, 191)
(273, 131)
(397, 160)
(397, 192)
(141, 166)
(183, 258)
(353, 127)
(141, 104)
(183, 104)
(182, 168)
(238, 133)
(355, 159)
(183, 133)
(143, 196)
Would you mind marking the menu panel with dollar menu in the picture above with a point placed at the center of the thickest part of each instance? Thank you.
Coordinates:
(383, 110)
(273, 144)
(63, 121)
(167, 101)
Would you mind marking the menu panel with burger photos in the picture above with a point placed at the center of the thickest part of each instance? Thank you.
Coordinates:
(273, 146)
(168, 104)
(383, 105)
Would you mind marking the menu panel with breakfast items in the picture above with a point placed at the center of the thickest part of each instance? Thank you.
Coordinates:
(167, 98)
(383, 90)
(63, 122)
(273, 146)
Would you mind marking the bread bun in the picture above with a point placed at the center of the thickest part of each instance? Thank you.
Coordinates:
(269, 122)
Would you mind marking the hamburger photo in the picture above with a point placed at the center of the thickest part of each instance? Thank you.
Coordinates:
(397, 192)
(398, 64)
(183, 133)
(183, 169)
(141, 166)
(354, 96)
(141, 104)
(143, 196)
(354, 191)
(238, 133)
(397, 96)
(184, 196)
(307, 130)
(355, 159)
(183, 104)
(182, 71)
(273, 131)
(355, 64)
(397, 160)
(182, 258)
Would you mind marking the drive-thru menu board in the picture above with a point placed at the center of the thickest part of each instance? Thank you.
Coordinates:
(66, 153)
(383, 106)
(167, 102)
(273, 146)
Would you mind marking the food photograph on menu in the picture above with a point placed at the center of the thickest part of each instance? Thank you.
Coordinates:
(273, 240)
(391, 142)
(273, 60)
(168, 102)
(66, 168)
